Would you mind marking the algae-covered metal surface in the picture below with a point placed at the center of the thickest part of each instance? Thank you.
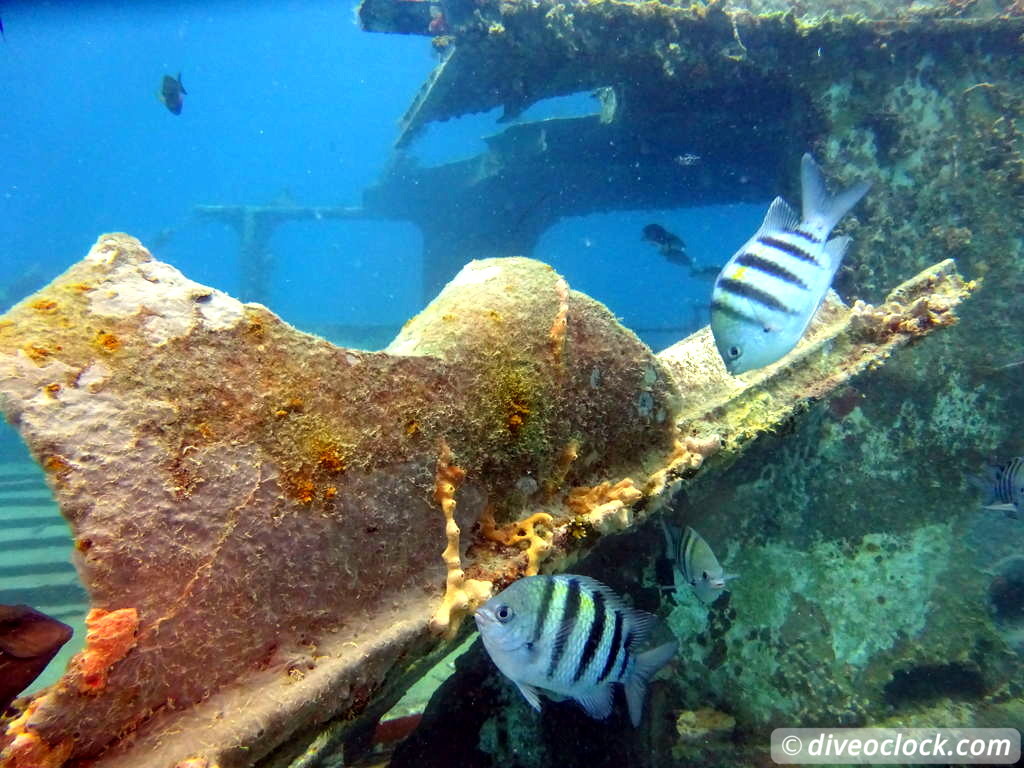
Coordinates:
(872, 588)
(324, 517)
(662, 58)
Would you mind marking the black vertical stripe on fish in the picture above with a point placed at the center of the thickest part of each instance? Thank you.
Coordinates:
(786, 247)
(545, 607)
(1004, 486)
(769, 267)
(594, 637)
(1008, 480)
(807, 235)
(566, 623)
(625, 655)
(747, 291)
(682, 555)
(613, 649)
(721, 306)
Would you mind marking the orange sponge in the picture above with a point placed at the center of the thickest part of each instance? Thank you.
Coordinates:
(111, 634)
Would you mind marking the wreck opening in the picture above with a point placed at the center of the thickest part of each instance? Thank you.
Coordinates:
(649, 148)
(929, 682)
(468, 135)
(659, 291)
(1006, 599)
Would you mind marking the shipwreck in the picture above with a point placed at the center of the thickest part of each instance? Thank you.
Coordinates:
(326, 518)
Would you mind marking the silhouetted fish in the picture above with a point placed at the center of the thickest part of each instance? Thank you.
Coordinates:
(673, 248)
(671, 245)
(2, 31)
(171, 92)
(28, 641)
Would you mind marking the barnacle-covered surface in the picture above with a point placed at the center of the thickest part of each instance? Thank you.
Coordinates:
(663, 58)
(260, 516)
(881, 92)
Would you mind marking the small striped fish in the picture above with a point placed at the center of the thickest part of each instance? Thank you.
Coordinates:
(571, 636)
(768, 291)
(696, 562)
(1004, 487)
(700, 567)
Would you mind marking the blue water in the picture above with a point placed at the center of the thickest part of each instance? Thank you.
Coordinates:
(284, 98)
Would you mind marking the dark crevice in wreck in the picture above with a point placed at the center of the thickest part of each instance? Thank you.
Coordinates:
(930, 682)
(1006, 594)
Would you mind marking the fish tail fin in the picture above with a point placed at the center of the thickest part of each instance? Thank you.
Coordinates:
(645, 667)
(822, 211)
(835, 249)
(671, 534)
(986, 483)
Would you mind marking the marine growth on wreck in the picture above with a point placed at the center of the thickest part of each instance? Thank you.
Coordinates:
(283, 543)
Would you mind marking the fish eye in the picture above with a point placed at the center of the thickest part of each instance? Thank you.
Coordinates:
(503, 614)
(734, 352)
(705, 576)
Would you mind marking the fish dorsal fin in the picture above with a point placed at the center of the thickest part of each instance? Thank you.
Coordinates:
(587, 584)
(530, 693)
(823, 211)
(640, 622)
(780, 218)
(611, 599)
(598, 701)
(181, 85)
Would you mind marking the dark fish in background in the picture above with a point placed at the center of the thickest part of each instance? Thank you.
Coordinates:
(28, 641)
(171, 93)
(160, 240)
(2, 31)
(671, 246)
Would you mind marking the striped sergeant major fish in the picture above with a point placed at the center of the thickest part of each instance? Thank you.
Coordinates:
(1004, 487)
(766, 294)
(571, 637)
(696, 563)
